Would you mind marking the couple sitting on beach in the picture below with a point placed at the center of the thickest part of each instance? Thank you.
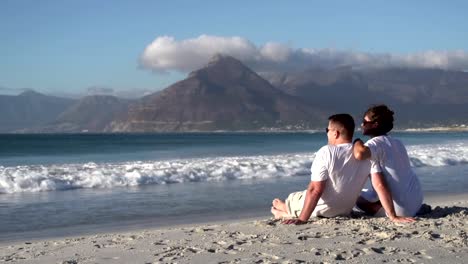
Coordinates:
(341, 168)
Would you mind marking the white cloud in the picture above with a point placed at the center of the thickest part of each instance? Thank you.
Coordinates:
(275, 52)
(167, 54)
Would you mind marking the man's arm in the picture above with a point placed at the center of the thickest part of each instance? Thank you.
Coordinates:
(380, 186)
(360, 151)
(313, 194)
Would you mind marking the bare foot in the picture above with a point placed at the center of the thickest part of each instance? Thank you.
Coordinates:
(278, 214)
(280, 205)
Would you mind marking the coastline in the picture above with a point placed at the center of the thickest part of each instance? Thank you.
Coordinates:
(261, 131)
(440, 236)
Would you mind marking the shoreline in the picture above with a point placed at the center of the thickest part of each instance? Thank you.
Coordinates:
(174, 221)
(462, 128)
(130, 226)
(437, 237)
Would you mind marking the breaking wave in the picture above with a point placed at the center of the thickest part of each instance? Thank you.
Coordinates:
(34, 178)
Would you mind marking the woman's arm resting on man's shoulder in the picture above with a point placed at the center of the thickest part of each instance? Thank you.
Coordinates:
(360, 151)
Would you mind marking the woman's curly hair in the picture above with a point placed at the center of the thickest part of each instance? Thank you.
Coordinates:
(383, 116)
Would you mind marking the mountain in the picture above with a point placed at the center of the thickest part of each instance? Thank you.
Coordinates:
(429, 86)
(227, 95)
(223, 95)
(89, 114)
(333, 90)
(29, 109)
(424, 97)
(420, 97)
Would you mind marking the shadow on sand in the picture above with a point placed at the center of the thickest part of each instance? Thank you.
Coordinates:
(441, 212)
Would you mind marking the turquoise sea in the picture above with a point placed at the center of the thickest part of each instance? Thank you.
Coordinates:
(68, 184)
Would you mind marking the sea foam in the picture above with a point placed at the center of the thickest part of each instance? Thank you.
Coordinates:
(107, 175)
(34, 178)
(455, 153)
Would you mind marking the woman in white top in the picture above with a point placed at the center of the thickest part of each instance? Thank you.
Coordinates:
(397, 182)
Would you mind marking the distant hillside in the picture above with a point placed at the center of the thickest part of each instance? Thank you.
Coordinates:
(224, 95)
(29, 110)
(420, 97)
(89, 114)
(336, 90)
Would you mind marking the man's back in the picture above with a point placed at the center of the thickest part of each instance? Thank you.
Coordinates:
(345, 177)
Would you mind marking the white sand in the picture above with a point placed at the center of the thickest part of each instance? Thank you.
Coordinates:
(439, 237)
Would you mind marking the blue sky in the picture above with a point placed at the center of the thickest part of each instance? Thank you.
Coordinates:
(69, 47)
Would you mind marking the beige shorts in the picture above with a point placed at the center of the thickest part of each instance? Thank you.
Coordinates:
(295, 203)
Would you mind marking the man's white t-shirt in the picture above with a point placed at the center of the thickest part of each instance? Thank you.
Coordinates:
(391, 159)
(345, 177)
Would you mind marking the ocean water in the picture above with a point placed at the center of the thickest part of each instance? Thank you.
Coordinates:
(69, 184)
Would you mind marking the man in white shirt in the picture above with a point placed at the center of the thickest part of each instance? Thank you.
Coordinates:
(336, 179)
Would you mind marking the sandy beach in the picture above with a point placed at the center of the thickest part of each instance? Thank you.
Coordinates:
(437, 237)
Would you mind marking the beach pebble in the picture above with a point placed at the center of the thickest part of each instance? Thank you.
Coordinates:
(70, 262)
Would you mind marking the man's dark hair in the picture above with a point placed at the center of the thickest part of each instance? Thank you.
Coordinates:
(346, 121)
(381, 115)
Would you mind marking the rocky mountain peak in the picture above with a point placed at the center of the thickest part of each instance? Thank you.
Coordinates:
(30, 93)
(223, 66)
(223, 95)
(222, 58)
